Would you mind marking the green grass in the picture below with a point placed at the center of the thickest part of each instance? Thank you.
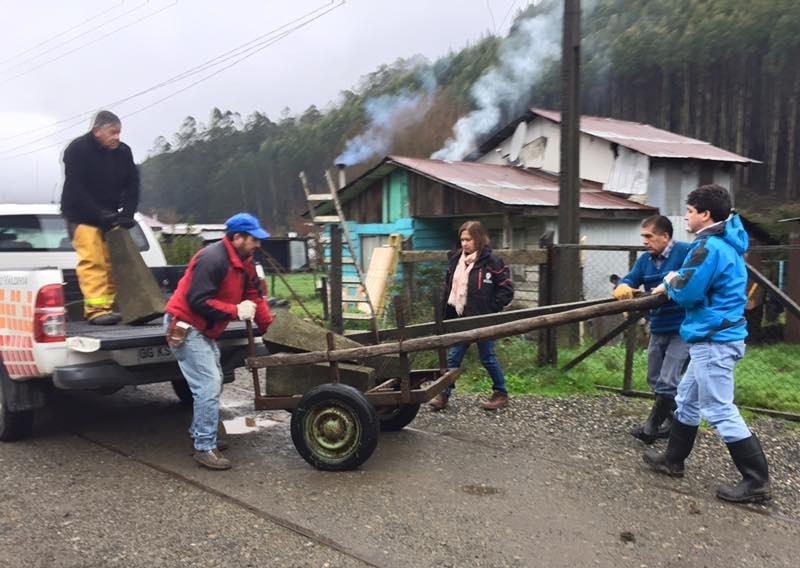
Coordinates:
(304, 286)
(765, 377)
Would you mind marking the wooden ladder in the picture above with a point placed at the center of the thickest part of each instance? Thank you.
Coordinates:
(314, 201)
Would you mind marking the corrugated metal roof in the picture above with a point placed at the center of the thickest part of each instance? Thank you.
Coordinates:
(512, 186)
(649, 140)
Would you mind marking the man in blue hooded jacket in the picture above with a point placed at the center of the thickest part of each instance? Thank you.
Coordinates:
(711, 285)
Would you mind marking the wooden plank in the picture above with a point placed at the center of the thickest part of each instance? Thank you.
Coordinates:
(474, 322)
(319, 197)
(536, 256)
(471, 336)
(289, 381)
(321, 219)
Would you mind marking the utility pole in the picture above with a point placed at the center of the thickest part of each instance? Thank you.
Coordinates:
(569, 276)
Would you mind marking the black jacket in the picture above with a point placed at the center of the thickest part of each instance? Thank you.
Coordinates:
(97, 179)
(489, 286)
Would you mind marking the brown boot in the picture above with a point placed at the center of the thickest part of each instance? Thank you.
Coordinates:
(439, 402)
(212, 459)
(498, 400)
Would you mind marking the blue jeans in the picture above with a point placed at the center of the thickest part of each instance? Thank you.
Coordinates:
(666, 361)
(198, 358)
(706, 390)
(488, 358)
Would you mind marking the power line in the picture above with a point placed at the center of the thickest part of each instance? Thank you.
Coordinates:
(95, 40)
(243, 48)
(511, 7)
(58, 35)
(491, 15)
(252, 51)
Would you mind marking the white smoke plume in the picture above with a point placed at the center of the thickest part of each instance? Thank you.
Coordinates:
(388, 115)
(532, 44)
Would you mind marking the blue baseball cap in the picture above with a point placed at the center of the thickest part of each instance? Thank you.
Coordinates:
(245, 223)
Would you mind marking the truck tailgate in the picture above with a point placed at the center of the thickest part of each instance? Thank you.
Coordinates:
(131, 336)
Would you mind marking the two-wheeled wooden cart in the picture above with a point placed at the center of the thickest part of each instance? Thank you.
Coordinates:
(335, 426)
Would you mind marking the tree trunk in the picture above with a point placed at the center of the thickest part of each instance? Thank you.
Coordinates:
(710, 94)
(723, 119)
(740, 86)
(698, 102)
(774, 138)
(685, 121)
(791, 139)
(748, 92)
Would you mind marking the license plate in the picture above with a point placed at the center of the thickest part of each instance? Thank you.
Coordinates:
(150, 355)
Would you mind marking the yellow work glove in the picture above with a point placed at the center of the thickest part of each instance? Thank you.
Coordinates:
(623, 292)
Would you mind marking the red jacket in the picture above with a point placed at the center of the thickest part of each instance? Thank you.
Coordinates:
(214, 282)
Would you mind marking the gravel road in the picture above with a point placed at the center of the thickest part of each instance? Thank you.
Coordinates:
(108, 481)
(595, 429)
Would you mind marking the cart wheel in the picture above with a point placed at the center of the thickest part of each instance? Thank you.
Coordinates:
(394, 418)
(334, 427)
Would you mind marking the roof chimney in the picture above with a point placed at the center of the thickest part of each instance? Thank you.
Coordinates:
(342, 177)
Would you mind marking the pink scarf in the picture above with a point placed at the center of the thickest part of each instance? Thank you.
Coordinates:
(458, 291)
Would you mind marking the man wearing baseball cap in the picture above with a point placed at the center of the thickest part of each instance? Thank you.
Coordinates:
(219, 285)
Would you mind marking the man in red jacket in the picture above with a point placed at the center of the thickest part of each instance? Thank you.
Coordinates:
(220, 284)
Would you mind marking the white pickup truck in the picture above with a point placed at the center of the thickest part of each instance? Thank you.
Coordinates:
(45, 345)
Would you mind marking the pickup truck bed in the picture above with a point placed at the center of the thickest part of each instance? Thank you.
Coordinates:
(138, 354)
(129, 336)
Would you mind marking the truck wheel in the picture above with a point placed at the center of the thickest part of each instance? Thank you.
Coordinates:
(14, 425)
(183, 392)
(334, 427)
(394, 418)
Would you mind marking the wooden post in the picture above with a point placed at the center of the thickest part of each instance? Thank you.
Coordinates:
(548, 350)
(792, 332)
(323, 296)
(569, 284)
(409, 289)
(337, 319)
(630, 339)
(405, 365)
(438, 318)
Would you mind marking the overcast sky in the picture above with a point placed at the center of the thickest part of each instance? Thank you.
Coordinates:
(62, 61)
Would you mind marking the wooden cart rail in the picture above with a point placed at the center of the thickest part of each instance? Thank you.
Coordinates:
(470, 322)
(449, 339)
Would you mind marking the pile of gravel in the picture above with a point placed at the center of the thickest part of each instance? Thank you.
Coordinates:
(590, 435)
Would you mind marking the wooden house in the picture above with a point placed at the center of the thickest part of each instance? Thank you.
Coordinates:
(427, 200)
(638, 161)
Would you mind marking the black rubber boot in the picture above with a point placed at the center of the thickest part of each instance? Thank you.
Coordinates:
(648, 432)
(663, 430)
(670, 461)
(752, 464)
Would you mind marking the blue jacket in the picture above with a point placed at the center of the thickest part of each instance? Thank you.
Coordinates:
(712, 284)
(666, 319)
